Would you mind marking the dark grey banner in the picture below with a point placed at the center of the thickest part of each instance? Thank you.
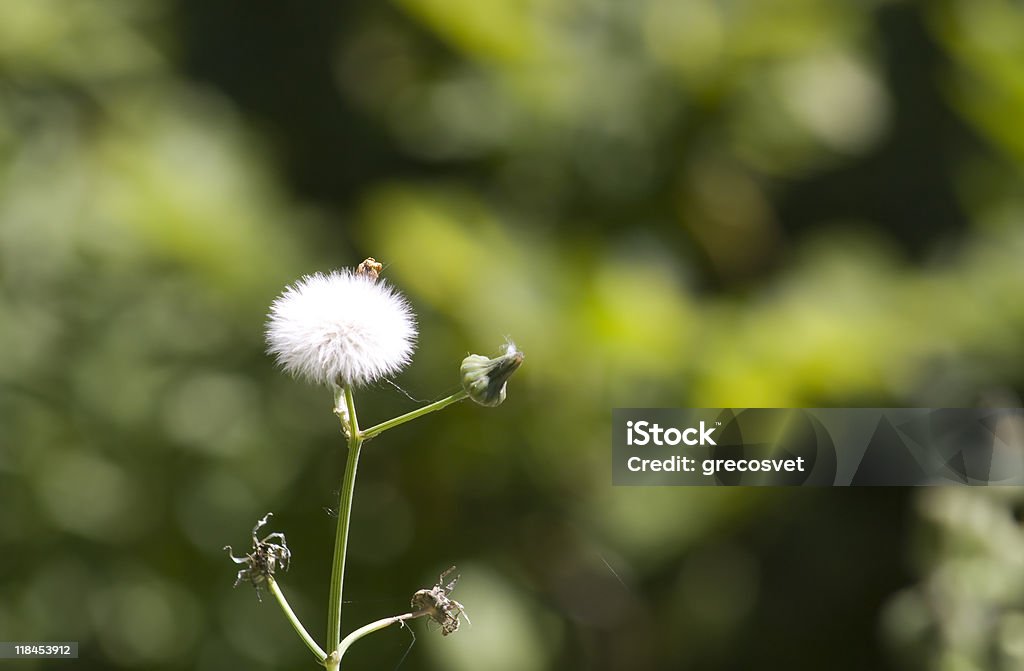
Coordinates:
(823, 447)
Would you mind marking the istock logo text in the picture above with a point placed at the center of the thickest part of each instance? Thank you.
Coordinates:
(645, 433)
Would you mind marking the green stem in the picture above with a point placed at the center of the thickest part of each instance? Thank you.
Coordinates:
(374, 626)
(348, 486)
(409, 416)
(275, 589)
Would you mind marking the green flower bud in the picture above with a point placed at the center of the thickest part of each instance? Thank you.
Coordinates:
(484, 379)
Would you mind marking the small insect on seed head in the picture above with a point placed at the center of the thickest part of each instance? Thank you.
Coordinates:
(370, 267)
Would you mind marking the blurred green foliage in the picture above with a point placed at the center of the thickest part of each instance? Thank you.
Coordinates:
(664, 202)
(965, 613)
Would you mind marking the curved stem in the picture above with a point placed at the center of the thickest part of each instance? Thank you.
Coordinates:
(409, 416)
(348, 486)
(275, 589)
(375, 626)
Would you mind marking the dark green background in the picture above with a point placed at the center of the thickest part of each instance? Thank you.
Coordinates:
(682, 203)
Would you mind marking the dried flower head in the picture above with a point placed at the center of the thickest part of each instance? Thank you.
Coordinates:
(346, 328)
(437, 603)
(267, 554)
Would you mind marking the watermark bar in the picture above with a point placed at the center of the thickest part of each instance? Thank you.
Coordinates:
(38, 649)
(824, 447)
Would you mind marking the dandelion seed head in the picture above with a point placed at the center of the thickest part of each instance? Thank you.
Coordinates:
(341, 327)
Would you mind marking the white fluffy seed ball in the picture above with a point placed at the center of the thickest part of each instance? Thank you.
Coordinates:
(341, 327)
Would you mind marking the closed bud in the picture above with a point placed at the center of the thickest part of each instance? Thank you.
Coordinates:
(484, 379)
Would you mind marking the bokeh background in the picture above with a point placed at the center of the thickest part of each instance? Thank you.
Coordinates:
(663, 202)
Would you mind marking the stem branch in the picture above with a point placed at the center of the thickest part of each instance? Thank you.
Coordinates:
(374, 626)
(409, 416)
(275, 589)
(348, 486)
